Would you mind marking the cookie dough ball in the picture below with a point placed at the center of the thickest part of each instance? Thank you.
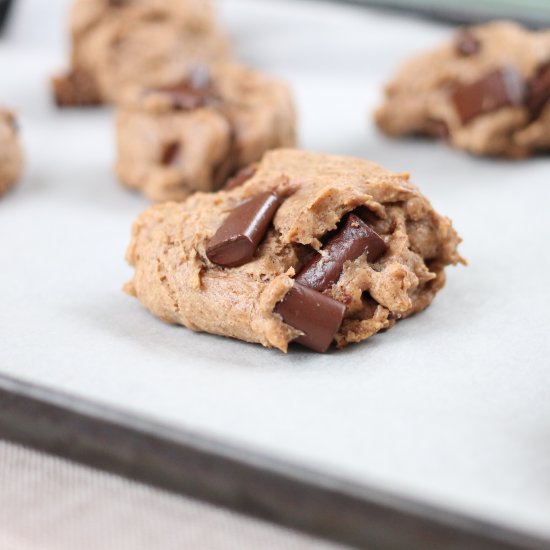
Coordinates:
(312, 248)
(116, 43)
(11, 157)
(486, 91)
(193, 135)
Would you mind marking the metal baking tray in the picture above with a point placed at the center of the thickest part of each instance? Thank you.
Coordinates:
(468, 12)
(190, 464)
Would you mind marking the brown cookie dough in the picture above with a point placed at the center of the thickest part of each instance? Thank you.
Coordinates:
(238, 262)
(117, 43)
(11, 157)
(486, 91)
(193, 135)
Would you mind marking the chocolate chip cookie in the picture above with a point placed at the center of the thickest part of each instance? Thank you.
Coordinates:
(194, 134)
(486, 91)
(11, 157)
(305, 247)
(116, 43)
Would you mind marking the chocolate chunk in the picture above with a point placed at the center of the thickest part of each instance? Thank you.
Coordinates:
(171, 154)
(436, 128)
(237, 239)
(539, 91)
(497, 89)
(186, 98)
(243, 175)
(318, 316)
(77, 88)
(466, 43)
(194, 92)
(354, 238)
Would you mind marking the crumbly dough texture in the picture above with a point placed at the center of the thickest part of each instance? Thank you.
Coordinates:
(419, 93)
(11, 157)
(253, 113)
(117, 43)
(174, 279)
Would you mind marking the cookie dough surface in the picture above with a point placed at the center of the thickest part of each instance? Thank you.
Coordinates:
(11, 157)
(117, 43)
(176, 281)
(194, 135)
(486, 91)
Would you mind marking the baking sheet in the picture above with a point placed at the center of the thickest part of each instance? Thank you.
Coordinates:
(451, 406)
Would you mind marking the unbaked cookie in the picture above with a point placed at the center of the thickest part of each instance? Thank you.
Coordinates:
(116, 43)
(11, 157)
(192, 135)
(486, 91)
(312, 248)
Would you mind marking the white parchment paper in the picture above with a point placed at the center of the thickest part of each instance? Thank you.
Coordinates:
(452, 406)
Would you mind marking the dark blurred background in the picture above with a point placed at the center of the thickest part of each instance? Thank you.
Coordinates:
(534, 13)
(4, 7)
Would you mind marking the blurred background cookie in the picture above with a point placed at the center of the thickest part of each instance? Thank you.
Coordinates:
(485, 91)
(116, 43)
(194, 134)
(11, 156)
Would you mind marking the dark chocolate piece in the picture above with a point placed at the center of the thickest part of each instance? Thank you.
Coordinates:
(497, 89)
(237, 239)
(318, 316)
(354, 238)
(194, 92)
(77, 88)
(539, 91)
(243, 175)
(436, 128)
(466, 44)
(171, 154)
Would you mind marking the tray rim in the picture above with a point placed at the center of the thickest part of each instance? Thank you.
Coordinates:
(453, 15)
(247, 482)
